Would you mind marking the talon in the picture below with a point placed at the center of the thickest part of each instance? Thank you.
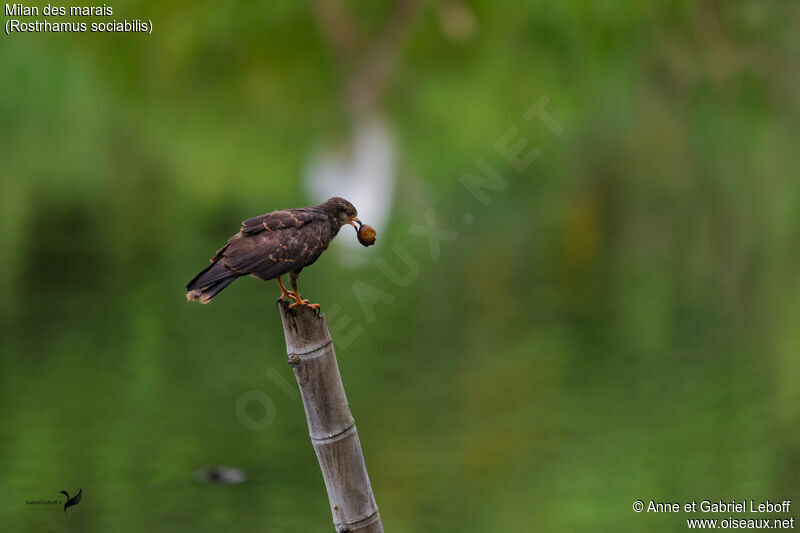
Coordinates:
(299, 302)
(287, 296)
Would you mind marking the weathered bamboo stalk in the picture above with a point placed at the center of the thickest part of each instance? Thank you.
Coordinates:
(330, 424)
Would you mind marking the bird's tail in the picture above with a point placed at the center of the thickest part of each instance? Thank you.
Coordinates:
(210, 282)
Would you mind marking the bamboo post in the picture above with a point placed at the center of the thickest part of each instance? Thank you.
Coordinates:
(330, 424)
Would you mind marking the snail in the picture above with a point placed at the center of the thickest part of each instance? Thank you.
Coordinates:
(366, 234)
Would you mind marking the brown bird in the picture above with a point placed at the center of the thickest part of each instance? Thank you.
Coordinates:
(271, 245)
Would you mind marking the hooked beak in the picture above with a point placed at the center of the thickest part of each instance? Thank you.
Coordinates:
(352, 222)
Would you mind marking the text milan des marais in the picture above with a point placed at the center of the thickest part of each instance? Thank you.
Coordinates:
(20, 10)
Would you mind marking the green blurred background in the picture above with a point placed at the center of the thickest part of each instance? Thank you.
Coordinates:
(620, 323)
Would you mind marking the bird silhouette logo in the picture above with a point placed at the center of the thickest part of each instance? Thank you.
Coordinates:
(71, 501)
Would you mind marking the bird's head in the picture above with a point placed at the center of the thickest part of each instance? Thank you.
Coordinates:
(342, 211)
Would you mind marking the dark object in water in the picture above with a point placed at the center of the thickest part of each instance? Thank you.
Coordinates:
(224, 475)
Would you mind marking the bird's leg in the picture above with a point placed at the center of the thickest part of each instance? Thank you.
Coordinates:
(297, 299)
(285, 295)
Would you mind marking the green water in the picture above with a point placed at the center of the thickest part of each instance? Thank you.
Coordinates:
(619, 323)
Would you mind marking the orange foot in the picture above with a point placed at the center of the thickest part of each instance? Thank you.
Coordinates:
(299, 301)
(285, 295)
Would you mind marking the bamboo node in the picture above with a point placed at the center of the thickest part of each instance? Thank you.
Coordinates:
(346, 432)
(312, 350)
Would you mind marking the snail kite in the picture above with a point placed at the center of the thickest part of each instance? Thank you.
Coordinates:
(271, 245)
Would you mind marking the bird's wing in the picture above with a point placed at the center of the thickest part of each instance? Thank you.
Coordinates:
(77, 497)
(219, 253)
(268, 254)
(277, 220)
